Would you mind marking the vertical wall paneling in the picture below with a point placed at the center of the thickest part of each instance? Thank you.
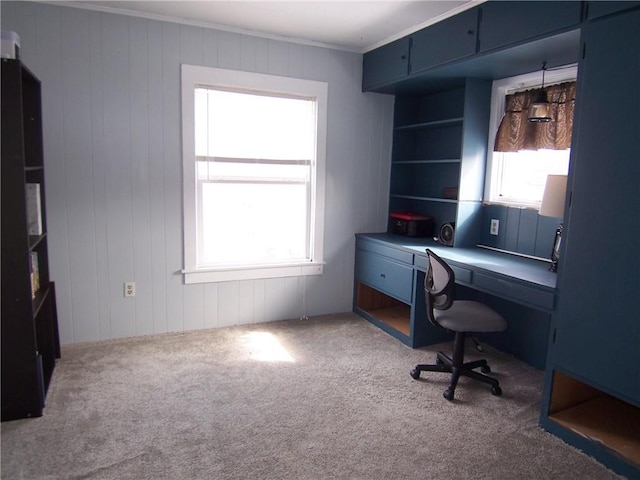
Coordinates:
(210, 47)
(112, 140)
(521, 230)
(511, 228)
(527, 231)
(194, 305)
(211, 305)
(228, 303)
(258, 304)
(248, 54)
(99, 185)
(78, 171)
(140, 168)
(172, 168)
(118, 158)
(245, 302)
(156, 179)
(229, 50)
(545, 235)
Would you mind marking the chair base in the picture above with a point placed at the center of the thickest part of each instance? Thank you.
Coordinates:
(457, 367)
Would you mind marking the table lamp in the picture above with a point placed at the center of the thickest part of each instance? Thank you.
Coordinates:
(552, 205)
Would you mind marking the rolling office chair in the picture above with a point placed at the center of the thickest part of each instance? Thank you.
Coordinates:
(463, 317)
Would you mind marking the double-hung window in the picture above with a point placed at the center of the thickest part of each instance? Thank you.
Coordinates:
(517, 178)
(253, 164)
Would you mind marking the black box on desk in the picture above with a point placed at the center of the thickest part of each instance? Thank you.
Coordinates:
(411, 224)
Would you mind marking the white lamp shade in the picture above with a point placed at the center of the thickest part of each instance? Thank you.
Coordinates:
(555, 189)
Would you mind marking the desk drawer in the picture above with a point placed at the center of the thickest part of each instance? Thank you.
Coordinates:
(516, 291)
(394, 253)
(385, 275)
(462, 274)
(421, 263)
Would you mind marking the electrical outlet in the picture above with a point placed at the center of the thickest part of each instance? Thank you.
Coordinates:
(129, 289)
(495, 226)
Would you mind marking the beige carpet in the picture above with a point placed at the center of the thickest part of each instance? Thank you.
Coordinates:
(324, 398)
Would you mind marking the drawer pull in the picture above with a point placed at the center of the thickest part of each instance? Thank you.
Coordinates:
(383, 275)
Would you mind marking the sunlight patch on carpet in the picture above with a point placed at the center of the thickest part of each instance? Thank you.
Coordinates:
(265, 347)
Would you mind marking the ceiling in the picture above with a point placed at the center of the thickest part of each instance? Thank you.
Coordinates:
(355, 25)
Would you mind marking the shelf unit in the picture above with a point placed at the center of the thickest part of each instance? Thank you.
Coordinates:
(438, 159)
(30, 342)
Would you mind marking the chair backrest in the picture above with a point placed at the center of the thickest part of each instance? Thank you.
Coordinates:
(439, 286)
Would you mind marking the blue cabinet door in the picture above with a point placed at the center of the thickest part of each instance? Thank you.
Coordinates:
(598, 327)
(386, 64)
(602, 8)
(446, 41)
(507, 23)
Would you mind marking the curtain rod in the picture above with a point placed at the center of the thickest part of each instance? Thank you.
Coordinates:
(523, 86)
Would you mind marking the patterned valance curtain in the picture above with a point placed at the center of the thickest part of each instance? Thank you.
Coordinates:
(516, 132)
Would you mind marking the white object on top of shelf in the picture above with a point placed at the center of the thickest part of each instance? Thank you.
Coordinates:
(10, 44)
(34, 209)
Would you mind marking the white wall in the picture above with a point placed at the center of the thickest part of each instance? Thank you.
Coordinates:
(111, 105)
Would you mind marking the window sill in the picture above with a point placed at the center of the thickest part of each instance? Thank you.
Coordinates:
(522, 206)
(251, 272)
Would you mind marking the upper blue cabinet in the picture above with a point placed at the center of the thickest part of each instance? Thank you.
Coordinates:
(602, 8)
(446, 41)
(386, 64)
(503, 24)
(496, 39)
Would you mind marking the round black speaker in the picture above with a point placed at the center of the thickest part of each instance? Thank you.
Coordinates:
(446, 233)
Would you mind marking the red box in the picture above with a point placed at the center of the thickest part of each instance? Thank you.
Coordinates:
(411, 224)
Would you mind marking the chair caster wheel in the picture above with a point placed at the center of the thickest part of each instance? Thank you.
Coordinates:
(415, 374)
(496, 391)
(448, 394)
(485, 369)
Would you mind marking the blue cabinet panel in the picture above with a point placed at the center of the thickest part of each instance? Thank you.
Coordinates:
(385, 275)
(508, 23)
(598, 332)
(385, 64)
(446, 41)
(602, 8)
(393, 253)
(510, 289)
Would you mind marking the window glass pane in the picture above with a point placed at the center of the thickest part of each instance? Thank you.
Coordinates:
(200, 124)
(246, 224)
(248, 171)
(523, 174)
(245, 125)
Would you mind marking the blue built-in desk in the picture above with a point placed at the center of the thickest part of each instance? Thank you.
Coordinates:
(388, 291)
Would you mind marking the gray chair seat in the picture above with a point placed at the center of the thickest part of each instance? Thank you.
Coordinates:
(470, 316)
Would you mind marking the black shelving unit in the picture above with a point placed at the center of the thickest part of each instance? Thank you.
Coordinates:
(30, 342)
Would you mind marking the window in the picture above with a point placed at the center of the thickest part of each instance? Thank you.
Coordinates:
(518, 178)
(253, 167)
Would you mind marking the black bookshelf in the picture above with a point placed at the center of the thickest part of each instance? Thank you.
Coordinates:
(30, 342)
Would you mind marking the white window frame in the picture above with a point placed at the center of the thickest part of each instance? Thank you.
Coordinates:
(193, 76)
(499, 90)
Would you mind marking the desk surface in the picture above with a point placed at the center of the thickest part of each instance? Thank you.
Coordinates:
(519, 268)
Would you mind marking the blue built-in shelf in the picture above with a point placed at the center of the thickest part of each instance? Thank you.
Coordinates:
(433, 124)
(426, 161)
(425, 199)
